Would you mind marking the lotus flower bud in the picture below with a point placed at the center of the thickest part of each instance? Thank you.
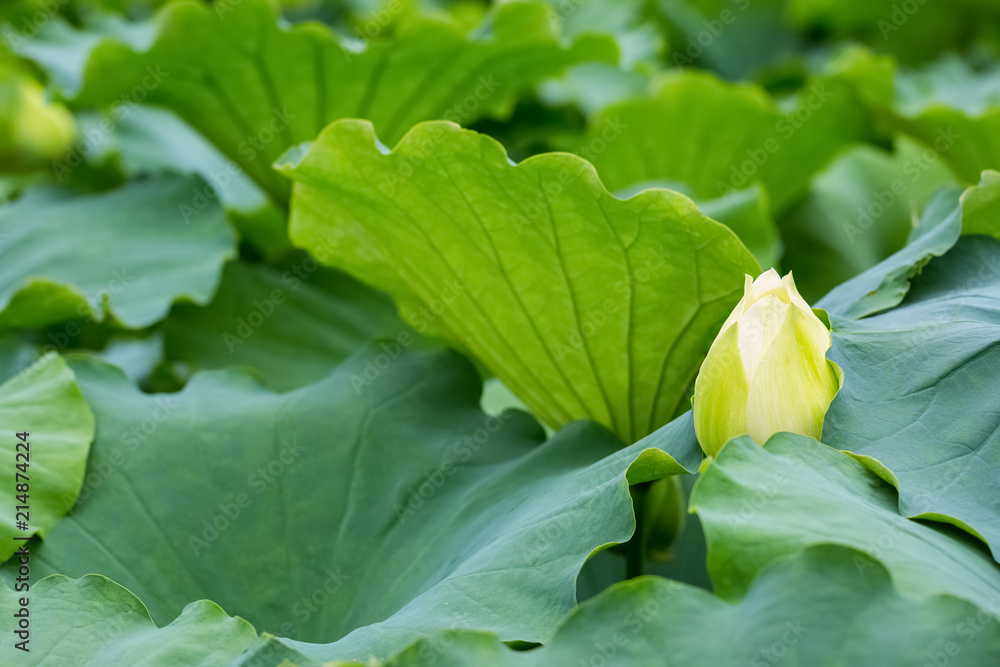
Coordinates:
(767, 370)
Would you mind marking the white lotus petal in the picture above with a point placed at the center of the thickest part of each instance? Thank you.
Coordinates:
(757, 328)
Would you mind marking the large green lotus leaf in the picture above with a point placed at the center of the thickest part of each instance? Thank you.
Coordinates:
(760, 503)
(254, 87)
(45, 402)
(127, 254)
(858, 211)
(291, 325)
(921, 381)
(584, 305)
(801, 608)
(365, 509)
(718, 137)
(947, 216)
(814, 609)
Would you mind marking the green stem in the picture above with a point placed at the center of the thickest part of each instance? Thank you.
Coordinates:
(635, 555)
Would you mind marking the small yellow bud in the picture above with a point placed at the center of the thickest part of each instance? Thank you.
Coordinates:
(767, 369)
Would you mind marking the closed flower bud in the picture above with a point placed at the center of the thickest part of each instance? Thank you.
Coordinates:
(767, 370)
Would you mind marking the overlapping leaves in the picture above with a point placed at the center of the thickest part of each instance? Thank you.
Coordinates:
(760, 503)
(88, 257)
(919, 397)
(797, 610)
(448, 518)
(586, 306)
(802, 607)
(254, 87)
(718, 137)
(374, 504)
(292, 324)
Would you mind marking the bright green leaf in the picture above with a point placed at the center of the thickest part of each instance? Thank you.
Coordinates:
(981, 206)
(747, 212)
(584, 305)
(44, 402)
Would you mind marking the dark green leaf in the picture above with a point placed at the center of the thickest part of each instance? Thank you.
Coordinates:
(760, 503)
(919, 401)
(125, 255)
(363, 510)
